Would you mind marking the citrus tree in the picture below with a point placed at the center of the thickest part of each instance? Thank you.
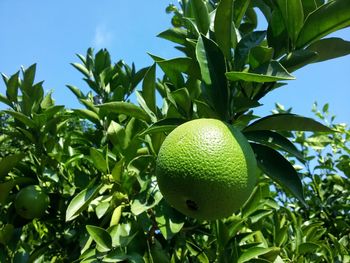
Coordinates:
(91, 171)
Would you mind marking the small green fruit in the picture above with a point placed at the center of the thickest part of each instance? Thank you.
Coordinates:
(31, 202)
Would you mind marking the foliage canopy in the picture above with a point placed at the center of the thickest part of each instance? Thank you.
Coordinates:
(96, 163)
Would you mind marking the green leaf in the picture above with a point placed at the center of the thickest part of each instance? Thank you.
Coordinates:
(224, 27)
(169, 221)
(173, 68)
(259, 214)
(116, 133)
(266, 73)
(197, 252)
(239, 10)
(98, 160)
(5, 100)
(274, 139)
(127, 108)
(82, 69)
(329, 48)
(259, 56)
(330, 17)
(141, 101)
(81, 201)
(88, 114)
(165, 125)
(101, 237)
(277, 35)
(22, 118)
(213, 68)
(102, 61)
(260, 193)
(279, 169)
(176, 35)
(144, 201)
(149, 88)
(28, 78)
(201, 15)
(287, 122)
(253, 252)
(205, 111)
(298, 59)
(293, 15)
(12, 85)
(47, 101)
(9, 162)
(244, 46)
(308, 247)
(182, 99)
(77, 92)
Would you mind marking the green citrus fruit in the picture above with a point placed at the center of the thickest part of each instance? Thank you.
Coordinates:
(6, 233)
(206, 169)
(31, 202)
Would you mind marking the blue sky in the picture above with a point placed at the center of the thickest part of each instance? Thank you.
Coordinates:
(50, 33)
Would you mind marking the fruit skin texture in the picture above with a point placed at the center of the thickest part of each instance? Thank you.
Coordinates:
(206, 169)
(31, 202)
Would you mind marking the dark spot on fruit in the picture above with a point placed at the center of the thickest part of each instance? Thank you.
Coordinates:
(191, 205)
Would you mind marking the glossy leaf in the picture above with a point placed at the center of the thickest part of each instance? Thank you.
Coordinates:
(77, 92)
(98, 160)
(101, 237)
(142, 102)
(169, 221)
(329, 48)
(28, 78)
(267, 73)
(21, 118)
(165, 125)
(329, 18)
(81, 201)
(224, 27)
(88, 114)
(201, 15)
(116, 215)
(127, 108)
(9, 162)
(47, 101)
(259, 56)
(145, 201)
(212, 65)
(244, 46)
(277, 35)
(287, 122)
(279, 169)
(182, 99)
(253, 252)
(239, 10)
(308, 247)
(176, 35)
(293, 15)
(298, 59)
(82, 69)
(256, 200)
(149, 88)
(205, 111)
(5, 100)
(197, 252)
(174, 68)
(274, 139)
(12, 85)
